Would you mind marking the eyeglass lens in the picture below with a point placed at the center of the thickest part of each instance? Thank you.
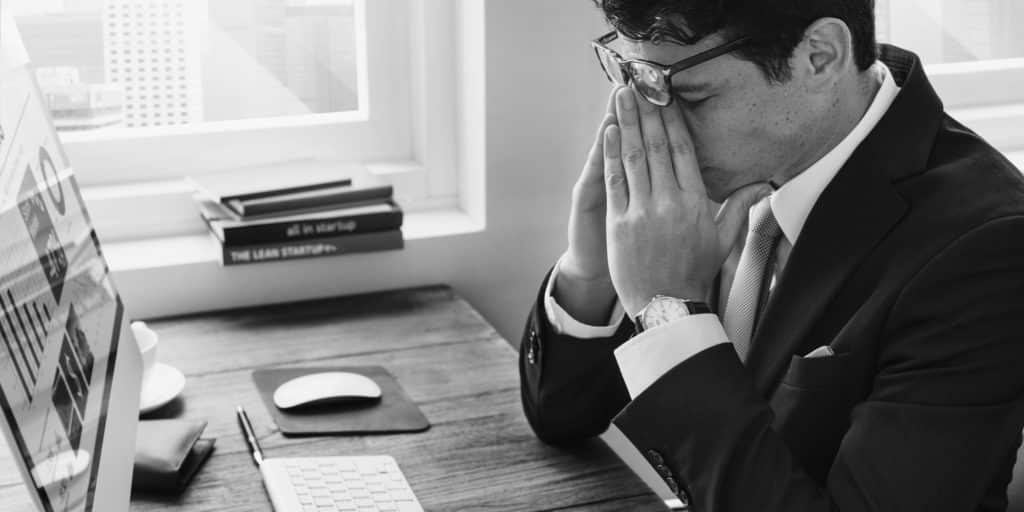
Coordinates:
(611, 66)
(650, 82)
(646, 79)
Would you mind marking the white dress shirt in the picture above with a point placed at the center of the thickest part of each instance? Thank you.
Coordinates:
(645, 358)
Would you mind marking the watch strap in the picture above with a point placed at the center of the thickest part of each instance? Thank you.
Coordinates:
(695, 307)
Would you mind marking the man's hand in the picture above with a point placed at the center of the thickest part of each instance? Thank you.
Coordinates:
(584, 286)
(587, 257)
(663, 233)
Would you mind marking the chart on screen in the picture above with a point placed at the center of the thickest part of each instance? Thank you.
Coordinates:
(61, 320)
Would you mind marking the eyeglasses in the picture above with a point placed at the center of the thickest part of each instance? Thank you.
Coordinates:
(652, 80)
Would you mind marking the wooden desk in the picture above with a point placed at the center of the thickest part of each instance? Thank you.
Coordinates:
(479, 453)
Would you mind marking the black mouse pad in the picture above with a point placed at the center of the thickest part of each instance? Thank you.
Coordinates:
(395, 412)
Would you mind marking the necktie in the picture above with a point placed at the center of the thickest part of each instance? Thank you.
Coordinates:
(745, 296)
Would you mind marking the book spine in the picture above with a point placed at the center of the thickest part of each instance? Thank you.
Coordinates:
(264, 206)
(273, 191)
(332, 246)
(288, 231)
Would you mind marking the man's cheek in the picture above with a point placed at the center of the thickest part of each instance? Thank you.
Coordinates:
(703, 152)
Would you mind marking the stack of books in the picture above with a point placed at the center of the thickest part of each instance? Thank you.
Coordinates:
(276, 214)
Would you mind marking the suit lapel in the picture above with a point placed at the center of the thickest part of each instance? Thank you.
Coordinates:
(854, 213)
(850, 218)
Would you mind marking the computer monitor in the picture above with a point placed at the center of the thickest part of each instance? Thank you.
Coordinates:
(69, 366)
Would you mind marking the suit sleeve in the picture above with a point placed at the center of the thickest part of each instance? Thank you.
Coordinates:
(571, 388)
(942, 418)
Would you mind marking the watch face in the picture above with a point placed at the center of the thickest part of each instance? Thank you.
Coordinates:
(663, 310)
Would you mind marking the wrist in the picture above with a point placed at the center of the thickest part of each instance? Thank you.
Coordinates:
(587, 300)
(692, 290)
(664, 309)
(571, 270)
(638, 302)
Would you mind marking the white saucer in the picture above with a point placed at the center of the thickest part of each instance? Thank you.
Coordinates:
(163, 385)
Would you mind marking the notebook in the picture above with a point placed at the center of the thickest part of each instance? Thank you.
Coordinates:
(280, 178)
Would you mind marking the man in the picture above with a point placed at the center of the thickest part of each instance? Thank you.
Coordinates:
(844, 333)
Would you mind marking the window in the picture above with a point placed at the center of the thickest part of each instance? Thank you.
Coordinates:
(244, 59)
(257, 83)
(973, 49)
(973, 52)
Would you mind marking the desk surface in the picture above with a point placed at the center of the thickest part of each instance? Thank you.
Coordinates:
(478, 454)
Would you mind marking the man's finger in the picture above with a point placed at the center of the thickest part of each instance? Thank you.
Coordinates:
(680, 145)
(659, 162)
(617, 186)
(593, 171)
(732, 216)
(632, 153)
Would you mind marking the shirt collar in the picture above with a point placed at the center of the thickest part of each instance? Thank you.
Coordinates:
(792, 203)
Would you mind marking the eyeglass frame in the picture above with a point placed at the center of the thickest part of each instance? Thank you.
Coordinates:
(600, 44)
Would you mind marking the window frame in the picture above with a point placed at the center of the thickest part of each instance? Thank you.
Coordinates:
(403, 132)
(986, 95)
(978, 83)
(378, 130)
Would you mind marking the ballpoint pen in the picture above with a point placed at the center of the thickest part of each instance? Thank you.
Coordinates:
(249, 435)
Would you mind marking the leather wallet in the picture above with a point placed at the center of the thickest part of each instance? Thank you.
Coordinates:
(168, 453)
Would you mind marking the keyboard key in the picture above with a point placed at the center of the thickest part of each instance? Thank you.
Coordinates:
(355, 484)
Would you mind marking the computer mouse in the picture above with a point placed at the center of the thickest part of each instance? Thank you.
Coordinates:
(324, 388)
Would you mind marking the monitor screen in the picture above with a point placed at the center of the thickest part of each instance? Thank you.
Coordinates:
(69, 368)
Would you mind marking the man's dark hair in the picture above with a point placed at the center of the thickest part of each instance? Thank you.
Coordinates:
(775, 27)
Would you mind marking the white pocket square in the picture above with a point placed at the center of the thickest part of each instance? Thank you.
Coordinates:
(822, 351)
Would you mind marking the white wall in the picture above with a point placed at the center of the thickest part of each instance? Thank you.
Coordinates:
(545, 97)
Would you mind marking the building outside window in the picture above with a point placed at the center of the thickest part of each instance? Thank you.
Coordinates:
(236, 59)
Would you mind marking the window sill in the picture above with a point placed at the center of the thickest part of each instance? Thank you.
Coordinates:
(998, 124)
(189, 278)
(170, 251)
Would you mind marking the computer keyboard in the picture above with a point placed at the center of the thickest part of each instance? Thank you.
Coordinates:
(338, 484)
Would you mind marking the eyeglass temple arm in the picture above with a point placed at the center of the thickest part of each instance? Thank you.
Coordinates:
(707, 55)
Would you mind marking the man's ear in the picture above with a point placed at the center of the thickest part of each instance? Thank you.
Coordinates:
(824, 54)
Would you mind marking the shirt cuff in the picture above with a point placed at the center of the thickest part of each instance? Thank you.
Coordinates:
(651, 354)
(564, 324)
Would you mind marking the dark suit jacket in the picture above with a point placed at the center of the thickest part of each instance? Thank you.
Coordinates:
(911, 267)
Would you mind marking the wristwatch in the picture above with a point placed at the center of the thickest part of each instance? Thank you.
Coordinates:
(663, 309)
